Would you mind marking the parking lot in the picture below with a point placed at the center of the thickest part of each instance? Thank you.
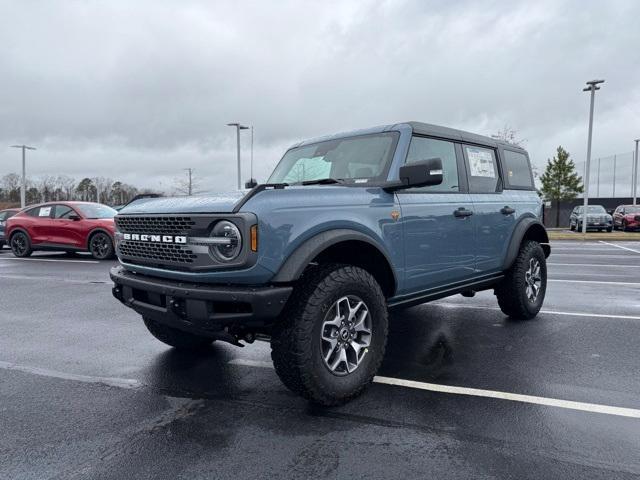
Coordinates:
(464, 392)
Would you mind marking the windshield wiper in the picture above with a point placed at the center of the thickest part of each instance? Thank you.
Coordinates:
(323, 181)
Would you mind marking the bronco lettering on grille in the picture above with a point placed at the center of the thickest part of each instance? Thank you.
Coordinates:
(155, 238)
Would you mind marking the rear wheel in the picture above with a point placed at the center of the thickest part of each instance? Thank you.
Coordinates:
(21, 244)
(101, 246)
(521, 293)
(176, 338)
(330, 340)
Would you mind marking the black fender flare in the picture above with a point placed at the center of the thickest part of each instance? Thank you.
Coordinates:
(99, 230)
(527, 224)
(295, 264)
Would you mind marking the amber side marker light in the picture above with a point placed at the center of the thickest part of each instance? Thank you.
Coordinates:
(254, 238)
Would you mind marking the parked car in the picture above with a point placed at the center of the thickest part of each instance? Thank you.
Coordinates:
(4, 216)
(597, 218)
(347, 227)
(63, 226)
(626, 217)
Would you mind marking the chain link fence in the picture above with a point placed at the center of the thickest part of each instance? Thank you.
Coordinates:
(610, 176)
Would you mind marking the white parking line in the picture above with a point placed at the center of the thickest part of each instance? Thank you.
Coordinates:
(593, 265)
(620, 246)
(595, 282)
(49, 260)
(476, 392)
(127, 383)
(550, 312)
(588, 255)
(514, 397)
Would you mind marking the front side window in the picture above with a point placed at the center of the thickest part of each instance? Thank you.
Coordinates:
(96, 210)
(360, 159)
(483, 169)
(62, 211)
(427, 148)
(517, 171)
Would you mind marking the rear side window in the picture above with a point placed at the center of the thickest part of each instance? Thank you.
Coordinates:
(33, 212)
(482, 169)
(428, 148)
(517, 170)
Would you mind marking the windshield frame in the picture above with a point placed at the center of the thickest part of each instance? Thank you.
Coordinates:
(348, 182)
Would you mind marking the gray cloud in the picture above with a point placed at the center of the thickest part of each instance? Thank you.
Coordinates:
(140, 90)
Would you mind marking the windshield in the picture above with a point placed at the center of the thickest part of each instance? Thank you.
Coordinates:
(593, 209)
(358, 159)
(632, 209)
(90, 210)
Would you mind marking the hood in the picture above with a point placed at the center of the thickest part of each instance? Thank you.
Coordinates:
(219, 203)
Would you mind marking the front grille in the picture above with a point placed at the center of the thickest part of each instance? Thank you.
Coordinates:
(164, 225)
(154, 251)
(157, 252)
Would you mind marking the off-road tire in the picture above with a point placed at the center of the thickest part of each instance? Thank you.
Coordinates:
(176, 338)
(19, 251)
(511, 293)
(295, 341)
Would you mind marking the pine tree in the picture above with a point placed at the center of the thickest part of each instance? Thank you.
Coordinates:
(560, 182)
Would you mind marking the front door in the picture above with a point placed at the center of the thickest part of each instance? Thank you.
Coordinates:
(437, 221)
(65, 231)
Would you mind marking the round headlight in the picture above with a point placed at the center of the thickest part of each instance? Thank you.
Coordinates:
(228, 241)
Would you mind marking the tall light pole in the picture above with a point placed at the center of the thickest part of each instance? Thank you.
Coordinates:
(238, 128)
(23, 187)
(634, 188)
(592, 86)
(189, 187)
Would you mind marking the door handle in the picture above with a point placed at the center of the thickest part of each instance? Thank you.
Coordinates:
(507, 210)
(462, 212)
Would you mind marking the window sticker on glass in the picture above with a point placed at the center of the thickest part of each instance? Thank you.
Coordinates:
(480, 163)
(44, 211)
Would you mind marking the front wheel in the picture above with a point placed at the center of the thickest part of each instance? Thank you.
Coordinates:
(330, 340)
(176, 338)
(521, 292)
(101, 246)
(21, 245)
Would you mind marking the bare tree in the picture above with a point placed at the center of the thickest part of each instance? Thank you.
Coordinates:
(509, 135)
(188, 184)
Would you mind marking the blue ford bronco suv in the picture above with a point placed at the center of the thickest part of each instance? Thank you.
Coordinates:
(347, 228)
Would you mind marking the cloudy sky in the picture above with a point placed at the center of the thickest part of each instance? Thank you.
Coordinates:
(139, 90)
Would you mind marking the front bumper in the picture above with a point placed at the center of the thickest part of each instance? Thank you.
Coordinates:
(199, 308)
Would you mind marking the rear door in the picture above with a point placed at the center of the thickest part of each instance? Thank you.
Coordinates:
(65, 231)
(39, 223)
(437, 225)
(494, 217)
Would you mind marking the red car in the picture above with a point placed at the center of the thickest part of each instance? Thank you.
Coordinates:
(63, 226)
(627, 217)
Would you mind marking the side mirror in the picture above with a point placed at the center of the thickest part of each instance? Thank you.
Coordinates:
(610, 212)
(74, 217)
(420, 174)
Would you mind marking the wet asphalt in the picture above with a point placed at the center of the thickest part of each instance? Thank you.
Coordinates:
(86, 392)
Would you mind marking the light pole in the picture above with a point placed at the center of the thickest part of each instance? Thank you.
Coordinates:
(238, 128)
(635, 173)
(592, 87)
(23, 187)
(189, 187)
